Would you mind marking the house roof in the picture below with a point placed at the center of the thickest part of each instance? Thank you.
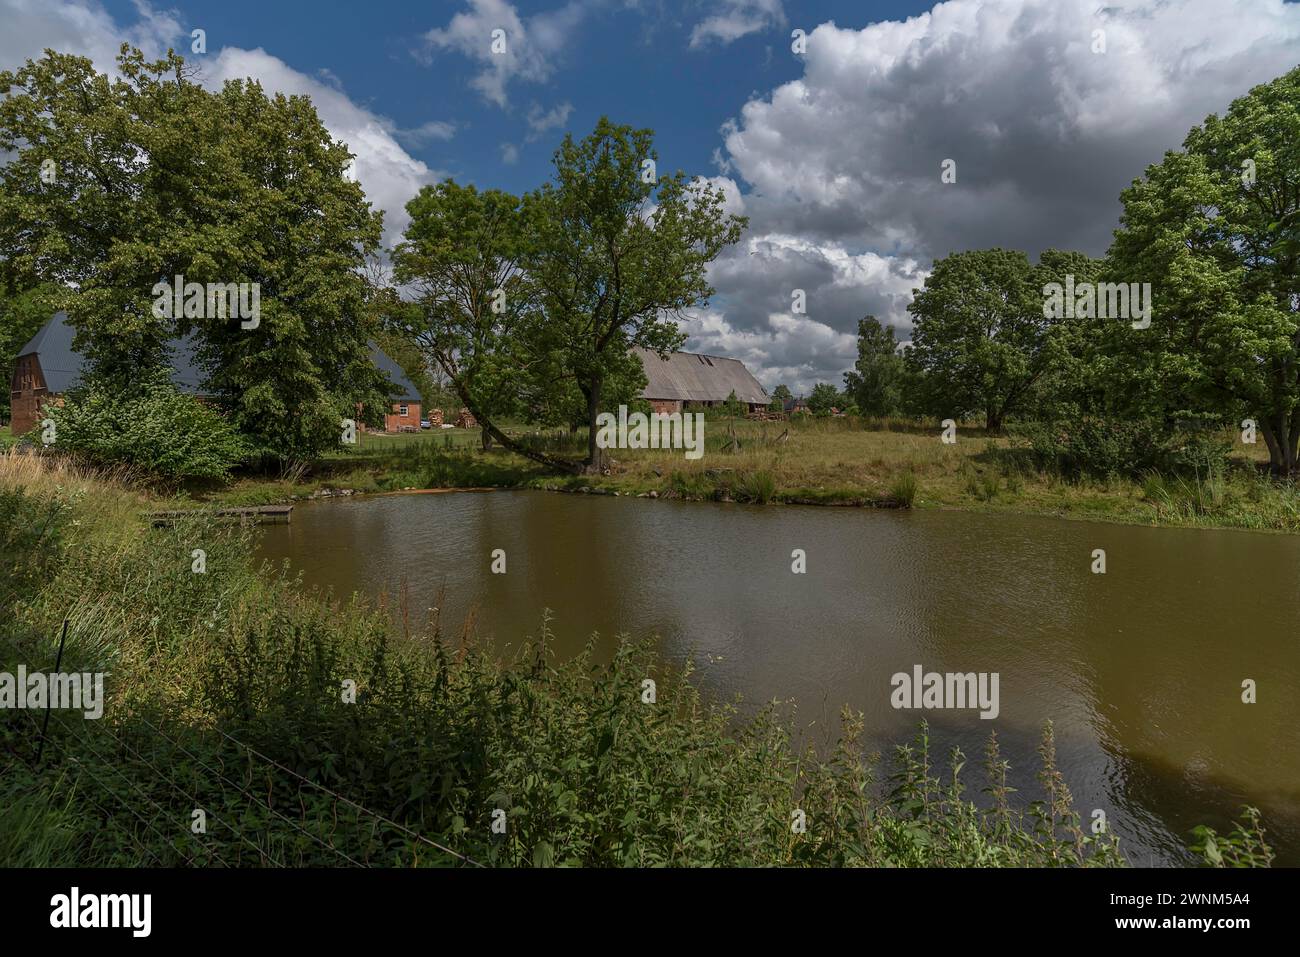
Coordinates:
(692, 377)
(403, 388)
(62, 365)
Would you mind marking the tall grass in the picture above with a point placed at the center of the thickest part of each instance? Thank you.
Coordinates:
(904, 489)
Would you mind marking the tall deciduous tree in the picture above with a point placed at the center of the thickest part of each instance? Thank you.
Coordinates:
(823, 398)
(119, 184)
(475, 312)
(621, 252)
(1212, 228)
(980, 340)
(873, 384)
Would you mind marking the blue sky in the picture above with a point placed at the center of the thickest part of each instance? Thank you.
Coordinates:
(834, 155)
(632, 63)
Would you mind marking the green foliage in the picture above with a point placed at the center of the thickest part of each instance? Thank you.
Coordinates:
(874, 383)
(222, 198)
(981, 343)
(1224, 335)
(823, 399)
(758, 486)
(981, 484)
(475, 315)
(157, 430)
(1244, 846)
(1101, 448)
(610, 276)
(30, 538)
(905, 488)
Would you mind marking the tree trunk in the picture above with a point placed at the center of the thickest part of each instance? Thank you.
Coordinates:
(992, 421)
(1283, 440)
(1274, 449)
(560, 465)
(595, 454)
(1292, 450)
(486, 437)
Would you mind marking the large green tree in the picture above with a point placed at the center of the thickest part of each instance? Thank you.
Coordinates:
(620, 254)
(117, 184)
(475, 312)
(1213, 228)
(1071, 384)
(873, 384)
(981, 342)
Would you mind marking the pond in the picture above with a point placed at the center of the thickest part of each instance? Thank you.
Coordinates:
(1140, 667)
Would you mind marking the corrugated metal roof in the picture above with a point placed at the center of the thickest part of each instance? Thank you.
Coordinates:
(62, 365)
(692, 377)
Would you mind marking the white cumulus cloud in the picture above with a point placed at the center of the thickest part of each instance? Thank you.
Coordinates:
(841, 167)
(505, 45)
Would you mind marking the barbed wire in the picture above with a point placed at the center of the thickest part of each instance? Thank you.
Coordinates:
(247, 794)
(81, 765)
(406, 830)
(168, 780)
(241, 789)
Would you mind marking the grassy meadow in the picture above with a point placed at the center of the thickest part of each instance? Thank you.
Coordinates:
(833, 461)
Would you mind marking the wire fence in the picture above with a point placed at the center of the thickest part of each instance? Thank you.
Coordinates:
(150, 802)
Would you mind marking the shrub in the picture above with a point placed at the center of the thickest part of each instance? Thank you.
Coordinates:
(30, 533)
(157, 430)
(1244, 846)
(1101, 449)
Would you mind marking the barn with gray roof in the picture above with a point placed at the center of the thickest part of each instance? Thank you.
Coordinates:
(683, 379)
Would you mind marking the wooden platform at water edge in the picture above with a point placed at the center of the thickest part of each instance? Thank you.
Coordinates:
(257, 514)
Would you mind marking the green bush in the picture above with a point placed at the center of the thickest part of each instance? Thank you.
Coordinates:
(157, 430)
(31, 532)
(1101, 449)
(758, 487)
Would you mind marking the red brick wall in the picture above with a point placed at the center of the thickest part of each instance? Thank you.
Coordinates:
(666, 406)
(395, 421)
(26, 395)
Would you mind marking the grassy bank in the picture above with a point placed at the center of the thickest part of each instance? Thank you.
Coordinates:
(229, 701)
(820, 462)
